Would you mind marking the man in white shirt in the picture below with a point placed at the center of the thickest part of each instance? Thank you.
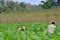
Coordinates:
(51, 28)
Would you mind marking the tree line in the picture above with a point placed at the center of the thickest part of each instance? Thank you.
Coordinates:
(23, 6)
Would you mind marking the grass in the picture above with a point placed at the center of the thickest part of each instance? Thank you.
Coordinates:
(34, 31)
(32, 16)
(36, 23)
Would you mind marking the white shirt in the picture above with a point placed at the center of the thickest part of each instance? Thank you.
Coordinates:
(51, 28)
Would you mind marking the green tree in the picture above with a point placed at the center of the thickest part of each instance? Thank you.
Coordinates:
(17, 5)
(11, 4)
(22, 6)
(2, 6)
(47, 4)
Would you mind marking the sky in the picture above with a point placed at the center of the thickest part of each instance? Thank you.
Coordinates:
(30, 1)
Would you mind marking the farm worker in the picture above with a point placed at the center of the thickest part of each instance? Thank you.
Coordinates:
(21, 28)
(51, 27)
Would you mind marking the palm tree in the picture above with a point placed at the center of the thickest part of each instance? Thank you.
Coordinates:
(5, 1)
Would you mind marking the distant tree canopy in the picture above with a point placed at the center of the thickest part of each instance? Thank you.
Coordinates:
(10, 4)
(58, 2)
(23, 6)
(49, 4)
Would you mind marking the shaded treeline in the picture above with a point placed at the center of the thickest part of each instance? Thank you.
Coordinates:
(10, 6)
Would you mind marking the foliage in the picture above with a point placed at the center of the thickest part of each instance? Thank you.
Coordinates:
(34, 31)
(47, 4)
(2, 8)
(10, 4)
(23, 6)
